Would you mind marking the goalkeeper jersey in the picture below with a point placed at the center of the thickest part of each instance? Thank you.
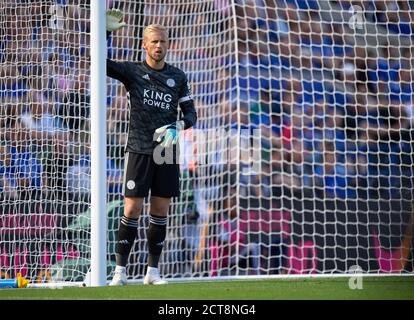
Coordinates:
(154, 96)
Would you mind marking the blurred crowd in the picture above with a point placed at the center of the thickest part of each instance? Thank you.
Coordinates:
(45, 103)
(334, 114)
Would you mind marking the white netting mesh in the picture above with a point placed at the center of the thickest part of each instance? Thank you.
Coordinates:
(301, 160)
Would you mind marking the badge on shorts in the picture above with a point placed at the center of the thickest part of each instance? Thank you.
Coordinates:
(170, 83)
(130, 184)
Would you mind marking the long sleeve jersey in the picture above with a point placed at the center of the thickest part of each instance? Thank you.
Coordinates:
(154, 96)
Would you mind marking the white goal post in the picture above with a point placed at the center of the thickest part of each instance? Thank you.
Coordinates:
(300, 164)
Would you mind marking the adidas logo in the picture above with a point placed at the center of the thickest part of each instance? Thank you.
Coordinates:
(160, 243)
(124, 241)
(146, 77)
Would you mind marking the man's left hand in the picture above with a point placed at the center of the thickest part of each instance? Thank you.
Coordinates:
(169, 134)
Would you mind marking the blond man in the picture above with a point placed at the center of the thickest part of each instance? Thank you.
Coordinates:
(155, 89)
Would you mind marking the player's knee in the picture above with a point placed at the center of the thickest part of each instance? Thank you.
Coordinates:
(160, 206)
(161, 211)
(133, 207)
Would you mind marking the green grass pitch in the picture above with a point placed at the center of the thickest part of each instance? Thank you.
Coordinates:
(389, 288)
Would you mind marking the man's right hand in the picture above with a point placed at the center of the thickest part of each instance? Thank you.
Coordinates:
(114, 20)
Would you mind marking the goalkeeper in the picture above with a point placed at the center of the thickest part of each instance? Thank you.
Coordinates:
(155, 90)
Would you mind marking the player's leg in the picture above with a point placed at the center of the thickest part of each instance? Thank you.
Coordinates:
(156, 233)
(165, 185)
(127, 233)
(138, 174)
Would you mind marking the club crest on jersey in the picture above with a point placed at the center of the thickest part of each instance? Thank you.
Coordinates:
(170, 83)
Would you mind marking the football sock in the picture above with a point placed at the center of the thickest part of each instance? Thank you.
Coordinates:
(128, 229)
(156, 236)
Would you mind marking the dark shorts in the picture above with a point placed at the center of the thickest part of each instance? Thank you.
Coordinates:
(142, 174)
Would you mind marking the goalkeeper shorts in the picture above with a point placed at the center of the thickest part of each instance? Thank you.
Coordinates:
(143, 174)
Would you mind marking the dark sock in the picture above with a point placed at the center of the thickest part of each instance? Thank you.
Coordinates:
(127, 233)
(156, 236)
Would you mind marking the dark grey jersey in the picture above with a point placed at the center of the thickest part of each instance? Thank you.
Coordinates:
(154, 97)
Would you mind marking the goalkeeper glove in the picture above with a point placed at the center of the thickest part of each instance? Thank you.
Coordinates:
(169, 134)
(114, 20)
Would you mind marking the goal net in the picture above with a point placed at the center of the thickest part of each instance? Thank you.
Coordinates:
(300, 162)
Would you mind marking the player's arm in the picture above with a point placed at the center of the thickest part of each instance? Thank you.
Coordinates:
(168, 135)
(187, 106)
(189, 112)
(116, 70)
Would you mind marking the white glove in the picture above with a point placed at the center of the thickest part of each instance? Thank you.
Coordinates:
(114, 20)
(170, 133)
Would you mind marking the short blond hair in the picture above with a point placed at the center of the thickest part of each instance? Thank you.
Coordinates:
(155, 27)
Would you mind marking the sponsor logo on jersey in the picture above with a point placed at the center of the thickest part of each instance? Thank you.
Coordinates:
(170, 83)
(157, 99)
